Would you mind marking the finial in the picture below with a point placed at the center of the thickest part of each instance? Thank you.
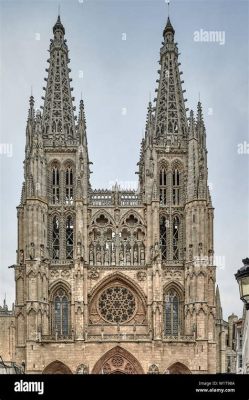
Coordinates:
(168, 28)
(168, 2)
(199, 97)
(31, 91)
(59, 10)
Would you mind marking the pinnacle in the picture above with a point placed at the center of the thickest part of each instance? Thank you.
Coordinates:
(168, 27)
(199, 110)
(31, 107)
(31, 101)
(58, 25)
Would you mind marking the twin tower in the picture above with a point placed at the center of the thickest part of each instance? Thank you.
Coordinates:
(115, 281)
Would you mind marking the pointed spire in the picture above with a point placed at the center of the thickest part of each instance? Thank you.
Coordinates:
(58, 26)
(191, 125)
(149, 114)
(30, 125)
(171, 120)
(82, 125)
(200, 126)
(168, 28)
(199, 112)
(149, 124)
(31, 107)
(82, 112)
(58, 111)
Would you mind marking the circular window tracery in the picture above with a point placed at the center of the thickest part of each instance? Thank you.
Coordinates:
(117, 304)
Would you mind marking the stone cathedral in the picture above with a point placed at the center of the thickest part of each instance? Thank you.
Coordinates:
(115, 281)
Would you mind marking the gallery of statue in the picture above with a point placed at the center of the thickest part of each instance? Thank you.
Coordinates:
(116, 281)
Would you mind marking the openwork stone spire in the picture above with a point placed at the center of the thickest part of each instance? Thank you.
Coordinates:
(58, 113)
(171, 120)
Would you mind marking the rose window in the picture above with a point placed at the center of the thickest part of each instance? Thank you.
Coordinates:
(117, 304)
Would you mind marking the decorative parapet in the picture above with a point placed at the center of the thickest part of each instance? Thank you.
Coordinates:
(104, 197)
(179, 338)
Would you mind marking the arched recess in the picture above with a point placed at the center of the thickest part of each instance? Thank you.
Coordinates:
(163, 180)
(102, 218)
(127, 217)
(60, 302)
(19, 290)
(176, 286)
(173, 305)
(177, 181)
(68, 181)
(137, 301)
(32, 324)
(178, 368)
(118, 361)
(57, 367)
(177, 164)
(20, 329)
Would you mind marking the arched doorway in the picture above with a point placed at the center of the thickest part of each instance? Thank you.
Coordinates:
(117, 361)
(178, 368)
(57, 367)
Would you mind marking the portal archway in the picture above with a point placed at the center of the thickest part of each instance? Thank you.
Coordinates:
(118, 361)
(57, 367)
(179, 369)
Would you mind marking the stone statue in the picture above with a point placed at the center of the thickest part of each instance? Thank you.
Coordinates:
(135, 256)
(106, 257)
(21, 257)
(113, 256)
(121, 257)
(98, 257)
(32, 251)
(142, 255)
(91, 256)
(128, 257)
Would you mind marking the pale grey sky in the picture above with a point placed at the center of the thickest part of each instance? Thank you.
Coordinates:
(120, 74)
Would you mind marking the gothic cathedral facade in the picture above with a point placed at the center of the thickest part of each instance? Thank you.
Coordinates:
(115, 281)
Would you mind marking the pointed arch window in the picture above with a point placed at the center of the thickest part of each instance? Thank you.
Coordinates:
(56, 239)
(56, 185)
(163, 237)
(69, 237)
(69, 186)
(176, 235)
(176, 187)
(172, 313)
(61, 313)
(163, 186)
